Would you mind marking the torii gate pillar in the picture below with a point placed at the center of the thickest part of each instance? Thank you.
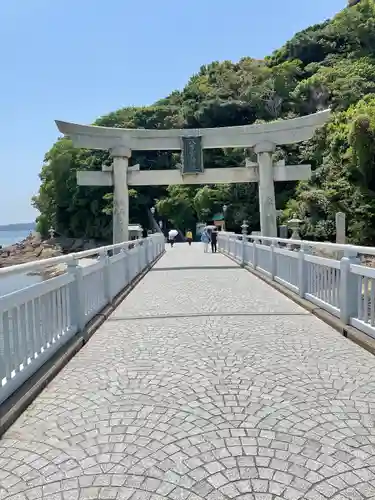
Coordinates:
(120, 155)
(266, 189)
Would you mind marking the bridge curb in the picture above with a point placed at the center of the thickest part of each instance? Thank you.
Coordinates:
(347, 331)
(12, 408)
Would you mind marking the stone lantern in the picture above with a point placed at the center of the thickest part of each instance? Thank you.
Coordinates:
(294, 225)
(244, 227)
(51, 232)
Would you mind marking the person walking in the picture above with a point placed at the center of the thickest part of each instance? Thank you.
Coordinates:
(205, 238)
(171, 236)
(214, 241)
(189, 236)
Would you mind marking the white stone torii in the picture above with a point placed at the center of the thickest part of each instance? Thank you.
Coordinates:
(263, 138)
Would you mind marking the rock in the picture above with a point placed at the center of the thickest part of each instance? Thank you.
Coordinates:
(47, 253)
(28, 250)
(33, 248)
(89, 245)
(77, 245)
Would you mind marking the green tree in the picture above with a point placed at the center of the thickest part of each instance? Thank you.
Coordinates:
(177, 206)
(332, 63)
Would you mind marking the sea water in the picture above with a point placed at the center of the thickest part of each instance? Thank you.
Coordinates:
(10, 237)
(15, 282)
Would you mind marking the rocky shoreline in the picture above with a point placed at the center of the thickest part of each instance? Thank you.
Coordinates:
(35, 248)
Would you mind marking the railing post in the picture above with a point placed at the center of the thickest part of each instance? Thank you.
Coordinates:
(77, 303)
(244, 228)
(124, 250)
(139, 256)
(255, 254)
(144, 253)
(273, 260)
(302, 275)
(243, 250)
(145, 242)
(348, 288)
(104, 259)
(151, 250)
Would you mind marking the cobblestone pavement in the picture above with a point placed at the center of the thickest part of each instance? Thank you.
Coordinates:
(204, 384)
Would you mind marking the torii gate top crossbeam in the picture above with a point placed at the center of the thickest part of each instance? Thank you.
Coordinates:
(278, 132)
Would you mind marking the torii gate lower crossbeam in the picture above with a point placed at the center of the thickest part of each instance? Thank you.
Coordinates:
(251, 173)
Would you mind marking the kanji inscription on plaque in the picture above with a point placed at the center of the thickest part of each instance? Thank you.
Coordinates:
(192, 155)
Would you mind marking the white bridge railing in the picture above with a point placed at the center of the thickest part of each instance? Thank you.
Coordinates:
(36, 321)
(344, 287)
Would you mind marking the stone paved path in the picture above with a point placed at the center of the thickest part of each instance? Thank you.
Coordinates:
(204, 384)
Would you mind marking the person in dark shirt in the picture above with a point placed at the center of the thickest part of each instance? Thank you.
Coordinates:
(214, 241)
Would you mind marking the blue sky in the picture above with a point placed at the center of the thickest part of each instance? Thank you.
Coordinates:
(77, 60)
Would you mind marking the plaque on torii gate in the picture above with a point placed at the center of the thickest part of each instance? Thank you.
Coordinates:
(191, 155)
(263, 138)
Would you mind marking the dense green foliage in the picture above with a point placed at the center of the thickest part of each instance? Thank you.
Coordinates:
(332, 63)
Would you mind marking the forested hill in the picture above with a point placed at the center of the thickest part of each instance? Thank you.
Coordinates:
(332, 63)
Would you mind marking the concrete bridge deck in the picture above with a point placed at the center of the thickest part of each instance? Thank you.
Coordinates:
(204, 384)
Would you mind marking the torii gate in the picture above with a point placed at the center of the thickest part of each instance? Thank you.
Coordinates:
(263, 138)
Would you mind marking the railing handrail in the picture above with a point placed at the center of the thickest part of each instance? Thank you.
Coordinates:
(315, 244)
(338, 285)
(41, 318)
(65, 259)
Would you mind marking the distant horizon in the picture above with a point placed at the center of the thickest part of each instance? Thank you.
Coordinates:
(17, 225)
